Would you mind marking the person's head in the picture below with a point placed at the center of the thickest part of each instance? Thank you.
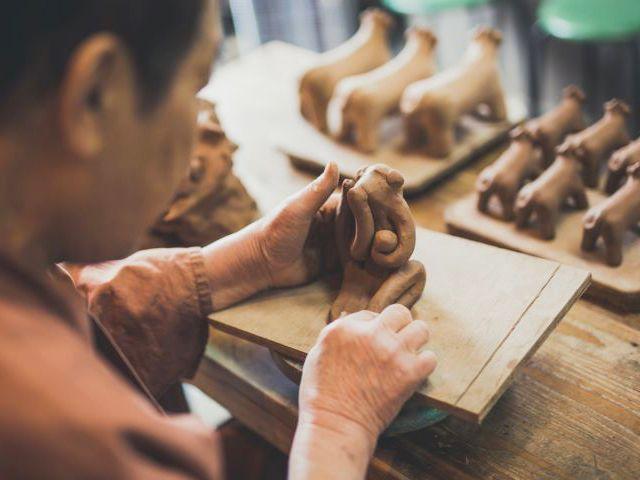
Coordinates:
(97, 116)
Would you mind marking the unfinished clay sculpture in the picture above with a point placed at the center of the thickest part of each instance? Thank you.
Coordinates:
(543, 198)
(504, 177)
(375, 235)
(531, 150)
(366, 50)
(210, 202)
(595, 144)
(618, 165)
(432, 107)
(360, 102)
(613, 217)
(550, 129)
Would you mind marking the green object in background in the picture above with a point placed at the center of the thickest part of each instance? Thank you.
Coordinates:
(590, 20)
(420, 7)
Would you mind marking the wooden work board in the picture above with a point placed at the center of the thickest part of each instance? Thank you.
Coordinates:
(311, 150)
(488, 310)
(615, 286)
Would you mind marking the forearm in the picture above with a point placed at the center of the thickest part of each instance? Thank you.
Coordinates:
(336, 450)
(235, 267)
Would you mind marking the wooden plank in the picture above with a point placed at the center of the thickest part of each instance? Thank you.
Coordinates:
(464, 305)
(615, 286)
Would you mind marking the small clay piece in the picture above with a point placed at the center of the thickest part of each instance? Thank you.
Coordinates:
(618, 164)
(550, 129)
(375, 236)
(504, 177)
(366, 50)
(432, 107)
(553, 189)
(613, 217)
(596, 143)
(210, 202)
(360, 102)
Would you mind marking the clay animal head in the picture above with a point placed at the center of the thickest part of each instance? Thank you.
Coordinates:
(617, 107)
(488, 35)
(422, 33)
(377, 17)
(574, 93)
(383, 228)
(520, 134)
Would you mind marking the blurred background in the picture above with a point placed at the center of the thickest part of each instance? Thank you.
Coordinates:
(547, 43)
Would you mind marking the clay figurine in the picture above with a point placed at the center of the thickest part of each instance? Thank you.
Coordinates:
(550, 129)
(558, 185)
(432, 107)
(531, 150)
(613, 217)
(360, 102)
(618, 165)
(596, 143)
(375, 236)
(366, 50)
(504, 177)
(210, 202)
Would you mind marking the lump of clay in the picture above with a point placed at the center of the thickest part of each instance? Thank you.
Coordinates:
(366, 50)
(595, 144)
(210, 202)
(613, 217)
(531, 150)
(432, 107)
(375, 238)
(558, 185)
(360, 102)
(504, 177)
(550, 129)
(618, 165)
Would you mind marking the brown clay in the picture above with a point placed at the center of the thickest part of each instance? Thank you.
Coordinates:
(366, 50)
(554, 188)
(613, 217)
(504, 177)
(432, 107)
(210, 201)
(375, 236)
(531, 150)
(596, 143)
(360, 102)
(550, 129)
(618, 164)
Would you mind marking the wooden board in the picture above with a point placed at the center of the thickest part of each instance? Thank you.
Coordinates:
(488, 309)
(615, 286)
(311, 150)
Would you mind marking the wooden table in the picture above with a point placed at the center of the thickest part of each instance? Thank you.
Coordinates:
(573, 413)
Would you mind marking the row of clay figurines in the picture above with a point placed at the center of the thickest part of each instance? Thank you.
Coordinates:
(352, 88)
(551, 161)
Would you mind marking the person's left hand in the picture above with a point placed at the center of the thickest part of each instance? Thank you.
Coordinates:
(296, 241)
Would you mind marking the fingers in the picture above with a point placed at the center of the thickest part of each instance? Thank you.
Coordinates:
(415, 335)
(395, 317)
(426, 363)
(313, 196)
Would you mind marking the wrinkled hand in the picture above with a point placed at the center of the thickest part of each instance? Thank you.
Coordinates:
(363, 369)
(292, 239)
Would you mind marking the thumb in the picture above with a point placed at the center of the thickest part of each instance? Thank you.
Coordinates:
(308, 200)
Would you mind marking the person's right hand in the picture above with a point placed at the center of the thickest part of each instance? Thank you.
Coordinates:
(362, 370)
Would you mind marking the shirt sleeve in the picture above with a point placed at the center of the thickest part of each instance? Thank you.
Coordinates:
(154, 305)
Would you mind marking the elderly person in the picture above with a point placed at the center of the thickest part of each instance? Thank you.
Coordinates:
(97, 119)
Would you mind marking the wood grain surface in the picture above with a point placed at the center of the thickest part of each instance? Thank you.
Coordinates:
(615, 286)
(573, 412)
(480, 338)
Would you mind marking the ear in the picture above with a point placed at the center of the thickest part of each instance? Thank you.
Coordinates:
(89, 93)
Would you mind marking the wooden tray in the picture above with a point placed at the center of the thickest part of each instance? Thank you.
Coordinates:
(615, 286)
(488, 310)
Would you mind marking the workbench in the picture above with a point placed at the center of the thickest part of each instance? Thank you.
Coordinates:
(572, 413)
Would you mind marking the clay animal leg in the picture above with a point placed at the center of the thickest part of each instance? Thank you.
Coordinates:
(497, 107)
(580, 200)
(440, 138)
(359, 284)
(404, 286)
(546, 219)
(590, 233)
(613, 245)
(523, 210)
(313, 105)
